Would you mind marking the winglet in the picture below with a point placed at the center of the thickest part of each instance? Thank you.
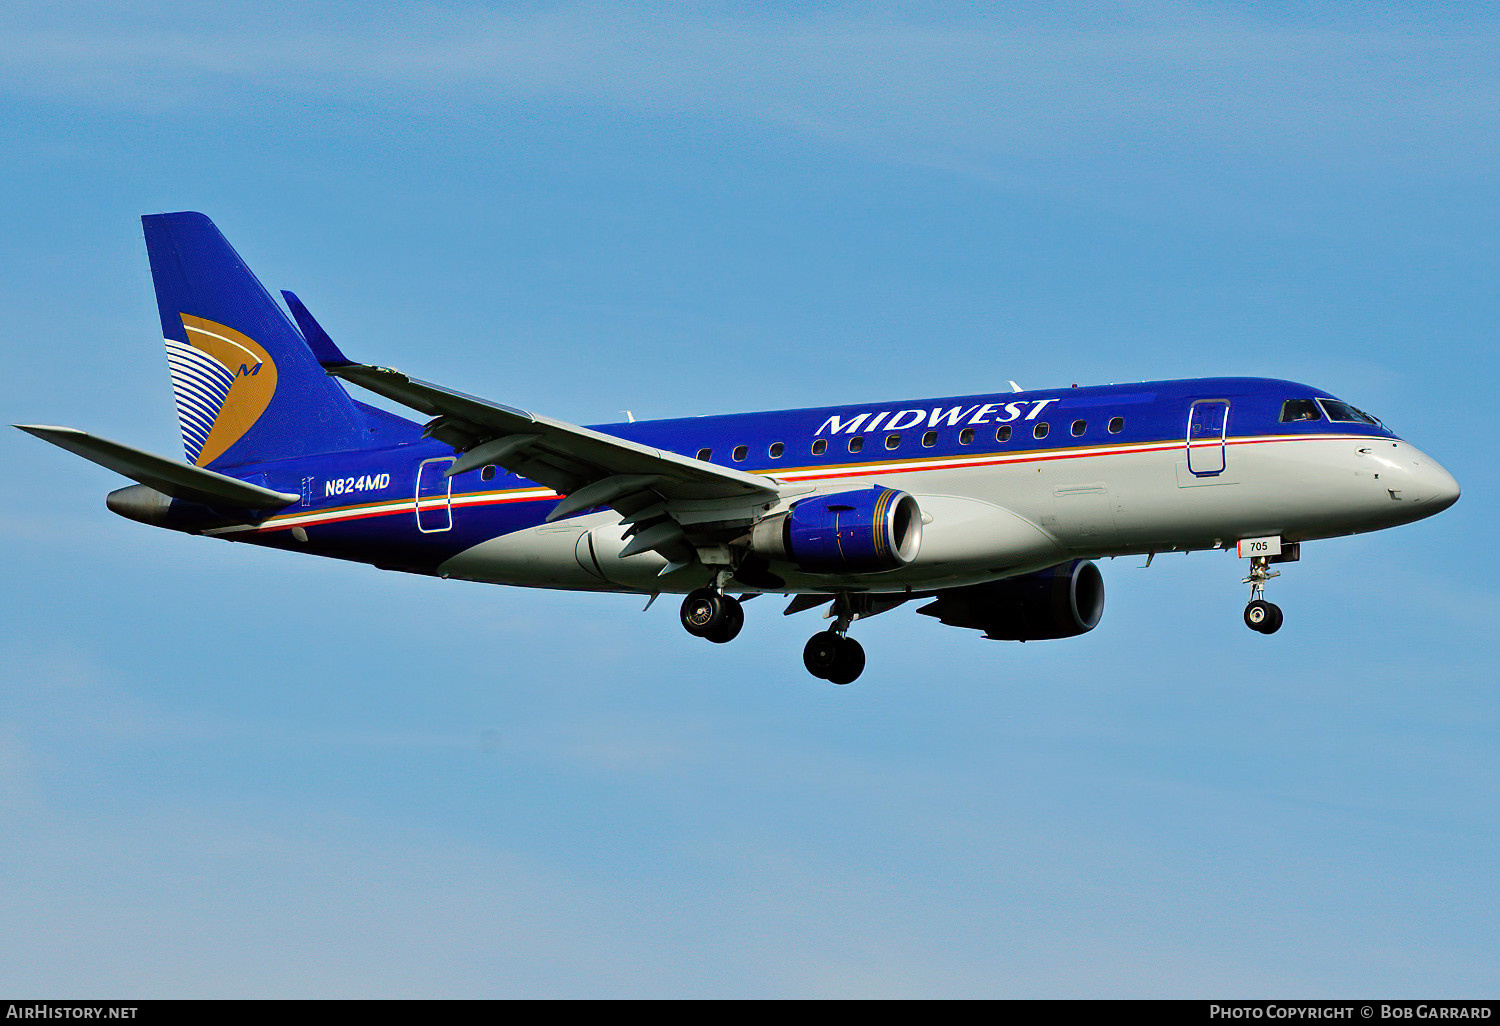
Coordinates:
(317, 339)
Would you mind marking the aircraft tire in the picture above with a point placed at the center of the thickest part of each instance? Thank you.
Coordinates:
(734, 619)
(704, 612)
(833, 658)
(851, 662)
(1263, 616)
(1273, 622)
(821, 654)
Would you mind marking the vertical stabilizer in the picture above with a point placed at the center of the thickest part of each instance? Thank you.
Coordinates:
(247, 386)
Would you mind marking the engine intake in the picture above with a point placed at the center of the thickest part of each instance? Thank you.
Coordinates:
(847, 532)
(1061, 602)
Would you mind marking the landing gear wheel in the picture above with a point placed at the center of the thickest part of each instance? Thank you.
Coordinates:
(710, 614)
(734, 619)
(704, 612)
(821, 654)
(1263, 616)
(833, 657)
(1273, 622)
(851, 662)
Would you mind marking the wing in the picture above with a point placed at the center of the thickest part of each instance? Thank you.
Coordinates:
(562, 456)
(675, 505)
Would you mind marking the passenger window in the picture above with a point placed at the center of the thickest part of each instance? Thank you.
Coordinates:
(892, 441)
(776, 450)
(856, 443)
(1294, 410)
(1040, 431)
(966, 436)
(929, 439)
(740, 452)
(1116, 425)
(820, 447)
(704, 454)
(487, 474)
(1002, 433)
(1079, 427)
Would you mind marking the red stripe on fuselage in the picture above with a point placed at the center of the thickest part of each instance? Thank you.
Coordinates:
(833, 473)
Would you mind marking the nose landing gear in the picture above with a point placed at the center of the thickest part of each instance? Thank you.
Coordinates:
(1261, 615)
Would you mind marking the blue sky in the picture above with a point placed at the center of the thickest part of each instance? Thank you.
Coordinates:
(230, 772)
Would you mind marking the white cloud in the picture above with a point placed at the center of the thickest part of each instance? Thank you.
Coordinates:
(980, 96)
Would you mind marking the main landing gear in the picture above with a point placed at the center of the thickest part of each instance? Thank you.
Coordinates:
(1261, 615)
(832, 655)
(709, 613)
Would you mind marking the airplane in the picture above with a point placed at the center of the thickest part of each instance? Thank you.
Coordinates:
(990, 508)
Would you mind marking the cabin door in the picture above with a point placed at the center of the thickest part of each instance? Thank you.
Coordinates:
(434, 496)
(1208, 425)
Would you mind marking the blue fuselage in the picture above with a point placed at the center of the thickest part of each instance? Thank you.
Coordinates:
(1129, 457)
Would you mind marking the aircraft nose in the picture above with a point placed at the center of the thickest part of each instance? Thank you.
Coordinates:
(1433, 486)
(1426, 485)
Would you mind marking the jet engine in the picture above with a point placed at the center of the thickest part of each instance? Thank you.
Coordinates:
(844, 533)
(1061, 602)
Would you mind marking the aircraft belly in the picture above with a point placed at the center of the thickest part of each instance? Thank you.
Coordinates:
(1298, 489)
(544, 557)
(1320, 488)
(641, 572)
(1143, 501)
(959, 531)
(1031, 510)
(1160, 505)
(984, 521)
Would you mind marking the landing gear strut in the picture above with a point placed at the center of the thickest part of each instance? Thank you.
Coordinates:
(1261, 615)
(709, 613)
(832, 654)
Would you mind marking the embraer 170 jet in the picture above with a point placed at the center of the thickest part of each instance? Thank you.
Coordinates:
(988, 507)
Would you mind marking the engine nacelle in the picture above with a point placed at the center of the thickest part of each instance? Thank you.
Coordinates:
(1061, 602)
(844, 533)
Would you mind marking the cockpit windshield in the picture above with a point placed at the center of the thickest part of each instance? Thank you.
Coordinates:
(1344, 413)
(1303, 410)
(1300, 409)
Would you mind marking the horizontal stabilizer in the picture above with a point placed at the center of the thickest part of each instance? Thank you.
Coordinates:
(179, 480)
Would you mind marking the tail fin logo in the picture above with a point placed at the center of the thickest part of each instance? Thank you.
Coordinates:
(223, 381)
